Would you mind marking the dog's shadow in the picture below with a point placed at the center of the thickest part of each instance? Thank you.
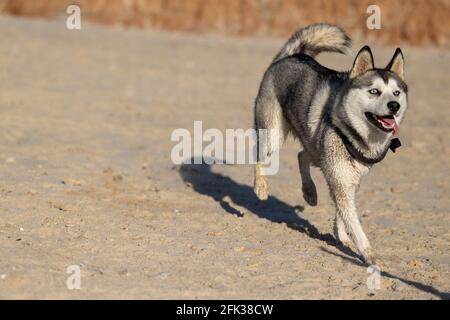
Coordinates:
(223, 189)
(228, 193)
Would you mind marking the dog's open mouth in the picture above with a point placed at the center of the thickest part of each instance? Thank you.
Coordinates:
(385, 123)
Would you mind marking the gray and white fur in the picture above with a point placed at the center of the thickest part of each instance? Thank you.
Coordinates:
(345, 121)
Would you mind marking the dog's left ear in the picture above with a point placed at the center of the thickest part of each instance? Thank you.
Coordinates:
(397, 64)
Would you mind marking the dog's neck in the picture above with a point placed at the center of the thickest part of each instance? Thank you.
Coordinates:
(354, 148)
(362, 142)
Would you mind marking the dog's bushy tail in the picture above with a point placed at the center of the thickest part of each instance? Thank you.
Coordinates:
(315, 38)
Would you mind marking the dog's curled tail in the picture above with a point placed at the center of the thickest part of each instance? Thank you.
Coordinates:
(315, 38)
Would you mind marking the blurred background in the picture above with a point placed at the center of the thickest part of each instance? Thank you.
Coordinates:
(87, 178)
(415, 22)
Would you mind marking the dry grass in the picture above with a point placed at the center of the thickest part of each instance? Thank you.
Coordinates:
(414, 22)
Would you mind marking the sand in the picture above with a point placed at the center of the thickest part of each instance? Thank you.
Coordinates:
(86, 177)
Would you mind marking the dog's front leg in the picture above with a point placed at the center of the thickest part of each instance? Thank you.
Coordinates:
(346, 211)
(343, 182)
(340, 232)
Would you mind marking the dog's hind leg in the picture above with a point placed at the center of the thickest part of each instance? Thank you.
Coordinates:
(269, 117)
(261, 186)
(308, 187)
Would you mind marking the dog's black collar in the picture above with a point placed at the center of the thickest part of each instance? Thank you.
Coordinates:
(358, 155)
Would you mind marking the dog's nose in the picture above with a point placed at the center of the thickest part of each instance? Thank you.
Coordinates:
(393, 106)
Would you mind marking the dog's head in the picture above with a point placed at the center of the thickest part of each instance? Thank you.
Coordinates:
(376, 99)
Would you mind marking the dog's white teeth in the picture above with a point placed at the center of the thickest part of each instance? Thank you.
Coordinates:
(385, 125)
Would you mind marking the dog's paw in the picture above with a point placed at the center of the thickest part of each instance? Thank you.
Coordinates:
(261, 188)
(310, 195)
(369, 257)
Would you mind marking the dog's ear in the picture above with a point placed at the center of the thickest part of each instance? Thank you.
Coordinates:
(363, 62)
(397, 64)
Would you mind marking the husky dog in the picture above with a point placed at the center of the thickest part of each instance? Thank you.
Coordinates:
(345, 121)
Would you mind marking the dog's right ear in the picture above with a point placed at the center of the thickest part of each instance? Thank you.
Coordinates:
(363, 62)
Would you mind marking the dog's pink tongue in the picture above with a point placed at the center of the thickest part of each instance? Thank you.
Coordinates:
(391, 123)
(396, 129)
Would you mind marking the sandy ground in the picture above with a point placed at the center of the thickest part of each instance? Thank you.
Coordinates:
(86, 177)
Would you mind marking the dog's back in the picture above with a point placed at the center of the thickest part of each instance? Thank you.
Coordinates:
(295, 87)
(306, 91)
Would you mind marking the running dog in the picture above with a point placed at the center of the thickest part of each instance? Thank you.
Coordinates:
(345, 121)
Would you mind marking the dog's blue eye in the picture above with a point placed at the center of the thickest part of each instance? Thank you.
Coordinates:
(374, 91)
(396, 93)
